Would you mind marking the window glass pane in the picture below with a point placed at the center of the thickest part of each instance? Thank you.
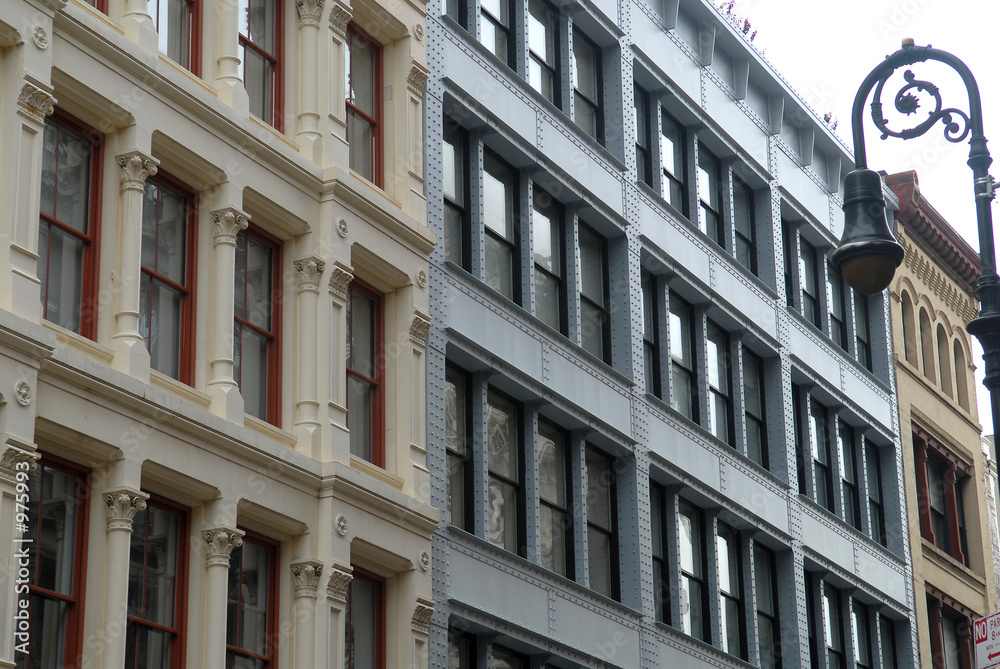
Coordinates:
(360, 137)
(690, 547)
(545, 233)
(256, 72)
(763, 573)
(361, 82)
(50, 151)
(600, 481)
(258, 284)
(552, 466)
(548, 299)
(585, 67)
(594, 323)
(497, 195)
(499, 9)
(47, 641)
(257, 22)
(592, 271)
(680, 330)
(671, 148)
(52, 526)
(502, 438)
(252, 365)
(541, 37)
(164, 329)
(552, 540)
(359, 416)
(73, 196)
(364, 623)
(453, 164)
(361, 329)
(63, 285)
(502, 525)
(599, 550)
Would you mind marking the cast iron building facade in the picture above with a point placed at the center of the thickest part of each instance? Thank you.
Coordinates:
(662, 430)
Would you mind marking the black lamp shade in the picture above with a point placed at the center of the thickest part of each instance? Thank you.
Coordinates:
(868, 254)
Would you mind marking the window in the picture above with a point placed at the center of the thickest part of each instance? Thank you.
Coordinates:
(252, 620)
(944, 360)
(812, 583)
(695, 615)
(862, 331)
(587, 111)
(68, 224)
(365, 371)
(643, 136)
(555, 496)
(950, 632)
(178, 25)
(672, 159)
(457, 410)
(256, 349)
(166, 303)
(799, 423)
(602, 542)
(809, 279)
(543, 45)
(495, 29)
(156, 584)
(710, 196)
(57, 532)
(850, 461)
(731, 591)
(788, 242)
(684, 394)
(502, 243)
(661, 567)
(364, 615)
(261, 45)
(461, 651)
(862, 639)
(547, 247)
(455, 184)
(909, 329)
(835, 304)
(876, 507)
(768, 627)
(720, 408)
(753, 405)
(927, 346)
(936, 500)
(364, 103)
(961, 380)
(833, 627)
(505, 460)
(745, 224)
(507, 659)
(819, 437)
(940, 485)
(651, 335)
(887, 636)
(595, 317)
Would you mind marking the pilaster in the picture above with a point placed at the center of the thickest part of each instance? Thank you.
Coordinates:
(309, 271)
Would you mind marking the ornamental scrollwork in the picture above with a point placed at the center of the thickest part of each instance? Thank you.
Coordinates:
(908, 100)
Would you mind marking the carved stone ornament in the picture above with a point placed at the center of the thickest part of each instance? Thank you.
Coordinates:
(23, 393)
(417, 78)
(341, 524)
(419, 328)
(135, 168)
(219, 545)
(16, 460)
(41, 37)
(425, 560)
(306, 575)
(121, 505)
(340, 580)
(342, 228)
(35, 102)
(227, 223)
(340, 281)
(422, 278)
(418, 31)
(310, 270)
(309, 12)
(421, 620)
(340, 16)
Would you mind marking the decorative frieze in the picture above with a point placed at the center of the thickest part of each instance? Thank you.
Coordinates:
(121, 505)
(340, 581)
(340, 281)
(35, 102)
(340, 16)
(309, 269)
(134, 168)
(417, 79)
(306, 574)
(227, 223)
(219, 545)
(14, 460)
(309, 12)
(418, 329)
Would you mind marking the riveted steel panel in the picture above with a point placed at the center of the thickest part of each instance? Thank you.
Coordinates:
(590, 393)
(580, 163)
(735, 122)
(751, 301)
(822, 539)
(806, 192)
(661, 49)
(498, 593)
(751, 494)
(679, 450)
(496, 334)
(593, 633)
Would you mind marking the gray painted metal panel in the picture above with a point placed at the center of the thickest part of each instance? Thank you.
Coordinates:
(498, 593)
(732, 119)
(672, 241)
(594, 633)
(734, 290)
(580, 165)
(880, 575)
(811, 353)
(594, 396)
(827, 542)
(683, 72)
(496, 334)
(866, 397)
(805, 191)
(748, 493)
(677, 449)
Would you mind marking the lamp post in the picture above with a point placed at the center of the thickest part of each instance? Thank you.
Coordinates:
(868, 254)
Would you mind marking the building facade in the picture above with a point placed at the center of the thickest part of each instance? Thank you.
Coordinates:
(213, 320)
(948, 482)
(662, 429)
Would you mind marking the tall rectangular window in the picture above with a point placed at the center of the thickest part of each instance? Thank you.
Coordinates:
(595, 316)
(939, 498)
(168, 271)
(555, 495)
(861, 629)
(862, 330)
(835, 304)
(364, 103)
(849, 475)
(602, 540)
(505, 460)
(753, 405)
(887, 634)
(502, 272)
(588, 112)
(256, 348)
(550, 273)
(720, 387)
(731, 591)
(809, 279)
(543, 48)
(768, 623)
(252, 612)
(745, 224)
(455, 183)
(938, 505)
(695, 613)
(684, 395)
(833, 626)
(156, 583)
(261, 44)
(365, 371)
(457, 411)
(57, 526)
(461, 651)
(365, 620)
(710, 196)
(650, 336)
(643, 135)
(876, 507)
(788, 239)
(495, 29)
(672, 158)
(819, 437)
(178, 26)
(69, 216)
(661, 567)
(799, 424)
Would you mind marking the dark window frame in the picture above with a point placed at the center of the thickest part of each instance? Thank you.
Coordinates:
(596, 106)
(752, 361)
(610, 533)
(598, 305)
(551, 431)
(677, 365)
(746, 235)
(643, 135)
(555, 218)
(518, 485)
(456, 136)
(721, 394)
(672, 182)
(706, 211)
(463, 461)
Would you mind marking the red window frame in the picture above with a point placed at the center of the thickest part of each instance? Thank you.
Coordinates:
(91, 253)
(178, 641)
(380, 618)
(924, 451)
(192, 50)
(273, 384)
(186, 343)
(376, 382)
(354, 32)
(277, 102)
(75, 602)
(271, 638)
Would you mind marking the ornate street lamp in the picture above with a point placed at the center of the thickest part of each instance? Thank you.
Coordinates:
(868, 254)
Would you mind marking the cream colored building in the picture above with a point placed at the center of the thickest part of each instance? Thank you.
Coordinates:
(945, 473)
(213, 319)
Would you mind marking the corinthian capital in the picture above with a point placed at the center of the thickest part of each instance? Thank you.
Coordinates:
(15, 459)
(135, 167)
(35, 102)
(121, 505)
(219, 545)
(340, 580)
(309, 12)
(227, 223)
(306, 575)
(310, 269)
(340, 16)
(340, 280)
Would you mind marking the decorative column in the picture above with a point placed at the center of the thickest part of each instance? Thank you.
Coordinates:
(951, 504)
(228, 82)
(219, 545)
(340, 285)
(340, 16)
(139, 26)
(308, 135)
(305, 574)
(226, 399)
(120, 505)
(306, 429)
(336, 595)
(131, 354)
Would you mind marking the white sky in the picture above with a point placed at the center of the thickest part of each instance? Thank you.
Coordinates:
(826, 49)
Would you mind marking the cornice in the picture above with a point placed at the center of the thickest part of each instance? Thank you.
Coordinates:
(953, 292)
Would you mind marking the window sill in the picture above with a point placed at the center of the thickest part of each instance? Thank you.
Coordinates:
(953, 567)
(163, 382)
(376, 472)
(268, 430)
(81, 344)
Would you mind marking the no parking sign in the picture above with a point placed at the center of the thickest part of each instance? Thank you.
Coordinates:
(987, 635)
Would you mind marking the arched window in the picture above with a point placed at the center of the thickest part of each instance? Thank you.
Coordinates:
(944, 360)
(927, 346)
(909, 331)
(961, 381)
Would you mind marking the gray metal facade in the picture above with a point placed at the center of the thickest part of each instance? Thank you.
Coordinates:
(813, 506)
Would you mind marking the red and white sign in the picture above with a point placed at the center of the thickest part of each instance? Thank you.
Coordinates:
(987, 636)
